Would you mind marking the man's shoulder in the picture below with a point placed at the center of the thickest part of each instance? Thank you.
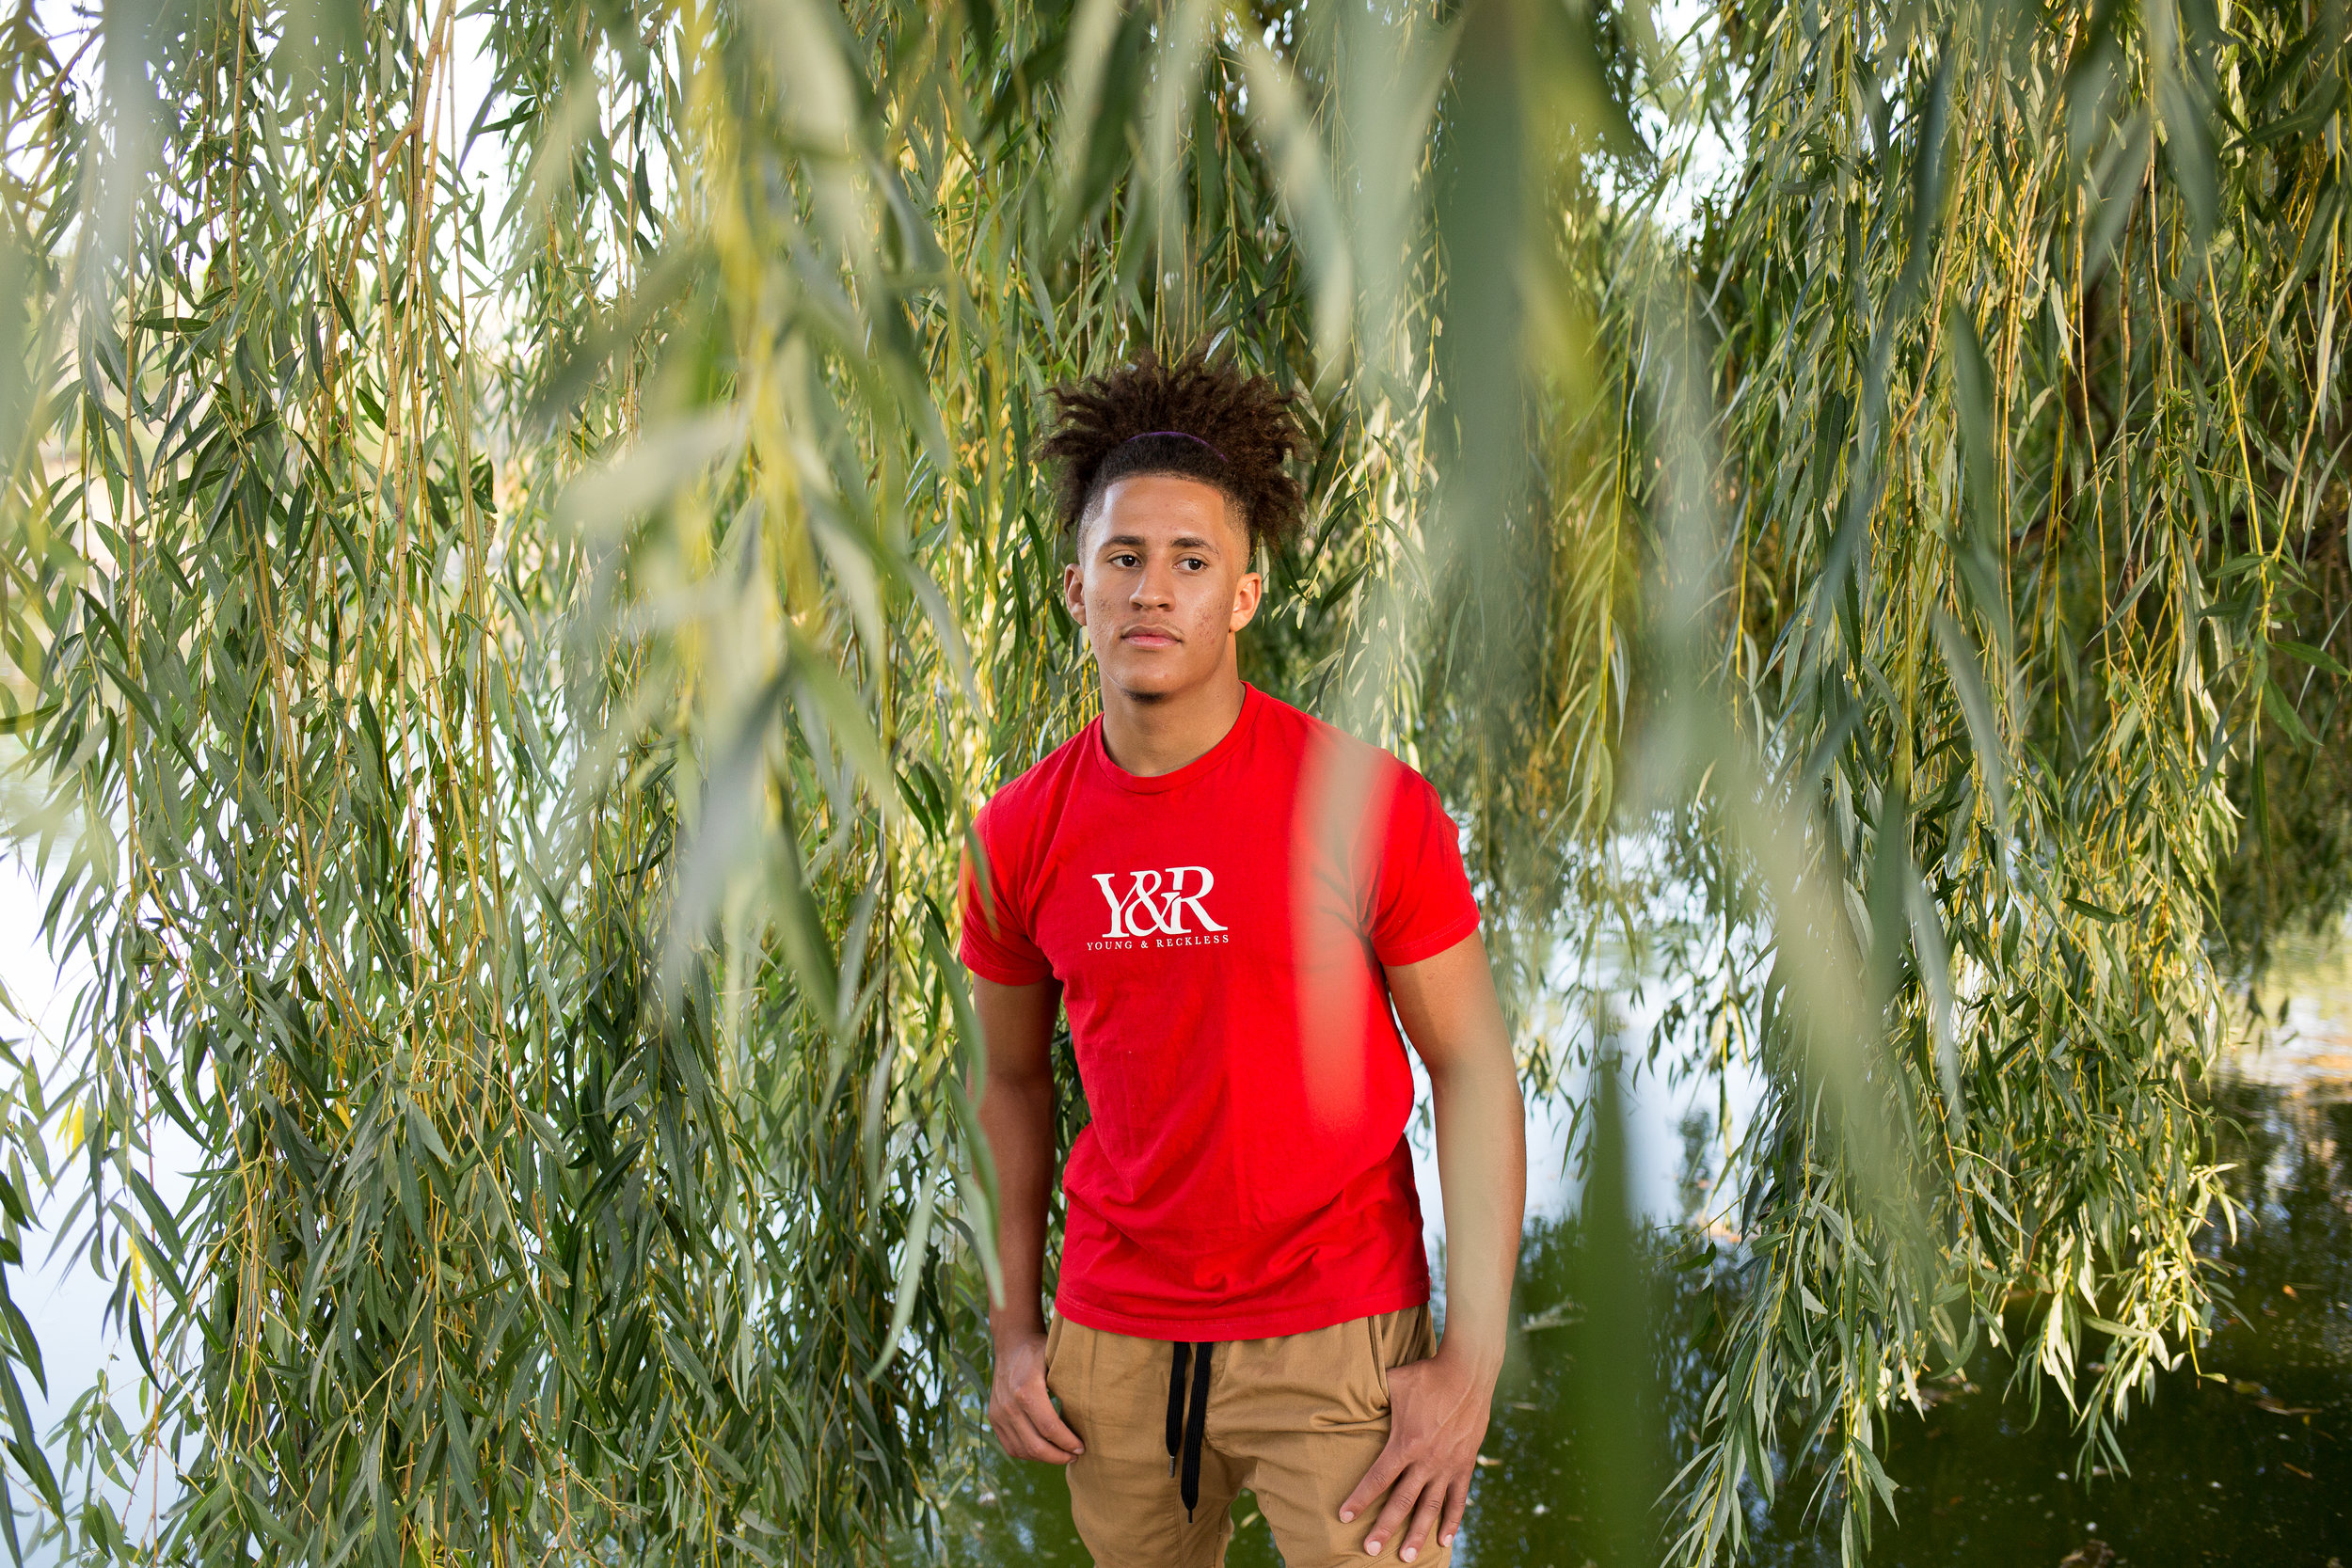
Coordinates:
(1319, 739)
(1039, 788)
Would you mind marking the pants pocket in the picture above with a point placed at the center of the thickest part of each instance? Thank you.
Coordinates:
(1053, 1351)
(1399, 1339)
(1420, 1336)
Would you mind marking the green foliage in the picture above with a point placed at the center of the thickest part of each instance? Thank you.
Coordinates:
(2027, 433)
(512, 663)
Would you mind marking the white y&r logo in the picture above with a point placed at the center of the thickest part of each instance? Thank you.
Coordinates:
(1147, 911)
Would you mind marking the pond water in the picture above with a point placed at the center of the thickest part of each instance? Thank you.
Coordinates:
(2251, 1464)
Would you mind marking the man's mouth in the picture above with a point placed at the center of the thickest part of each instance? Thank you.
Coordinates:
(1150, 637)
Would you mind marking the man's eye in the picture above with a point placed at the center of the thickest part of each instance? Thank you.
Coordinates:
(1195, 561)
(1122, 559)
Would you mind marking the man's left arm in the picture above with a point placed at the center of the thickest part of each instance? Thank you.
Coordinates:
(1439, 1408)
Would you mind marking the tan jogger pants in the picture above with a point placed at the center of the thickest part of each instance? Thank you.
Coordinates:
(1298, 1420)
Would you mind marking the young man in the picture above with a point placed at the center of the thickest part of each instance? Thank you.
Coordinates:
(1236, 903)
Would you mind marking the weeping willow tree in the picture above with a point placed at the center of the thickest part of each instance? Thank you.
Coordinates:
(521, 555)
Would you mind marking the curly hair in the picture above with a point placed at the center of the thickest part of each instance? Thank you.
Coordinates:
(1194, 418)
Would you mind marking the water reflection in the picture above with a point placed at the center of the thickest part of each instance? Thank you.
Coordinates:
(2248, 1463)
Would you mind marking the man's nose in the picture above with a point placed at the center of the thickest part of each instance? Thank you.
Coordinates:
(1154, 585)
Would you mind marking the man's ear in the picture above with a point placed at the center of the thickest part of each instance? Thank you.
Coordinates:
(1074, 593)
(1248, 594)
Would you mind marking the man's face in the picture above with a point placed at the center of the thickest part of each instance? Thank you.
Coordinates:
(1161, 584)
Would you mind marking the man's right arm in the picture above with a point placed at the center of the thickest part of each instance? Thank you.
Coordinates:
(1017, 1118)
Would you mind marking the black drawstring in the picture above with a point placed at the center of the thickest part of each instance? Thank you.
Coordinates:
(1185, 1427)
(1195, 1424)
(1176, 1404)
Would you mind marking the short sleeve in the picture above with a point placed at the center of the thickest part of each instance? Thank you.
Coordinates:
(1421, 902)
(997, 943)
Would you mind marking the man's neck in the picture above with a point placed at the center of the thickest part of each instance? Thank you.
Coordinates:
(1151, 737)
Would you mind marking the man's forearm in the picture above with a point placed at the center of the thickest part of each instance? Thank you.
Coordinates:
(1482, 1169)
(1017, 1117)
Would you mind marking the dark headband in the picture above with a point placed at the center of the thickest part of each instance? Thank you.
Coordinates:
(1180, 434)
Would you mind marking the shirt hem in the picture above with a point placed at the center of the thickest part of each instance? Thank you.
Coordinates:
(1261, 1326)
(1431, 945)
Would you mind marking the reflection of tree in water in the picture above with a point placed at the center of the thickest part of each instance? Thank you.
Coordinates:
(2290, 1275)
(2247, 1465)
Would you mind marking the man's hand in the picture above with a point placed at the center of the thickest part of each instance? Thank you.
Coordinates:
(1438, 1413)
(1019, 1412)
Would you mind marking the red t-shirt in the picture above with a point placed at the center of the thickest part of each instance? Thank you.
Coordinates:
(1218, 933)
